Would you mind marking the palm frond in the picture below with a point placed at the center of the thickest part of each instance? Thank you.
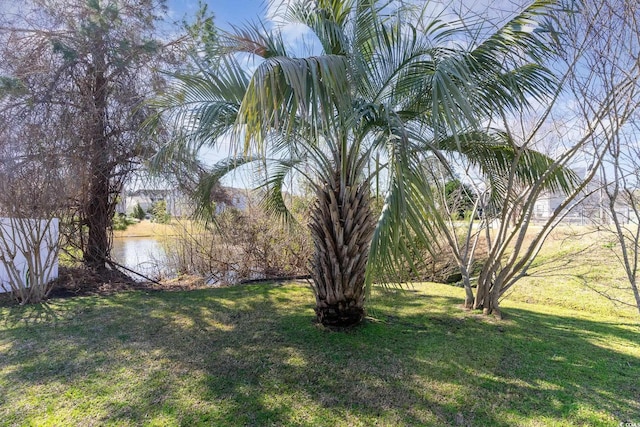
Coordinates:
(521, 35)
(285, 90)
(255, 39)
(496, 155)
(326, 19)
(202, 108)
(205, 206)
(273, 200)
(506, 64)
(408, 221)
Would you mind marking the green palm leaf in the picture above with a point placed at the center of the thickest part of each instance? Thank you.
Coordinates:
(385, 85)
(496, 155)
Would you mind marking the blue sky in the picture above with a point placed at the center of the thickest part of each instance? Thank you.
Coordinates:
(226, 11)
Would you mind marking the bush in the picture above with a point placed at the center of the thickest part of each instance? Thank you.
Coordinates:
(138, 212)
(159, 212)
(28, 254)
(244, 245)
(121, 222)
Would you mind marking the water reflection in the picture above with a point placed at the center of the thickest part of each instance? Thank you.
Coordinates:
(144, 255)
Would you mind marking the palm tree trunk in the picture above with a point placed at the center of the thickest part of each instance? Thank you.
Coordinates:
(342, 227)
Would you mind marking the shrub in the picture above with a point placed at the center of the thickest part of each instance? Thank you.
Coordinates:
(28, 256)
(121, 222)
(244, 245)
(159, 212)
(138, 212)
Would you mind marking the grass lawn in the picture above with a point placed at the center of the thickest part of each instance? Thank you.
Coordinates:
(251, 355)
(146, 228)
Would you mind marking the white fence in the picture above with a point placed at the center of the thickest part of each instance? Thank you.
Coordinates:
(28, 248)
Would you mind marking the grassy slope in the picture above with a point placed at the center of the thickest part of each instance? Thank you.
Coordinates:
(578, 269)
(251, 355)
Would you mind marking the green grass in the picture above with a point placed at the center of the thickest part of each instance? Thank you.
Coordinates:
(578, 269)
(251, 355)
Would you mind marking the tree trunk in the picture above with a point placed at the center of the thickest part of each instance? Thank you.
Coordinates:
(342, 227)
(482, 291)
(469, 297)
(98, 220)
(488, 294)
(99, 208)
(492, 303)
(636, 293)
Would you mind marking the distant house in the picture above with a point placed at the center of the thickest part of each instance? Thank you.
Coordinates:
(238, 198)
(547, 204)
(177, 204)
(592, 208)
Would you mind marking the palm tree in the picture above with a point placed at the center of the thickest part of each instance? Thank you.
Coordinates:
(385, 83)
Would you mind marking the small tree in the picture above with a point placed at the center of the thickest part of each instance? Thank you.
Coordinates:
(579, 125)
(621, 191)
(384, 82)
(138, 212)
(29, 243)
(79, 75)
(160, 213)
(615, 55)
(28, 254)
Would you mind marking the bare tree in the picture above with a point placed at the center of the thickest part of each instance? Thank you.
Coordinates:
(621, 191)
(585, 120)
(616, 55)
(29, 241)
(74, 77)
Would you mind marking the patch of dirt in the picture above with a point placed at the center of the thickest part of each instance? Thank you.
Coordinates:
(80, 281)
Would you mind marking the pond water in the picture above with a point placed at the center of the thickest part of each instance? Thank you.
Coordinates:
(144, 255)
(147, 256)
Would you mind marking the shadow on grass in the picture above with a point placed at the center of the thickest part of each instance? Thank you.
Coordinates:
(252, 355)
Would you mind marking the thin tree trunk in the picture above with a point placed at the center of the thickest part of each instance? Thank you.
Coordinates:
(488, 292)
(469, 297)
(342, 227)
(492, 305)
(484, 284)
(636, 294)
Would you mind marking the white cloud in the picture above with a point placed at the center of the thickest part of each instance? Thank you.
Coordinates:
(275, 8)
(298, 38)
